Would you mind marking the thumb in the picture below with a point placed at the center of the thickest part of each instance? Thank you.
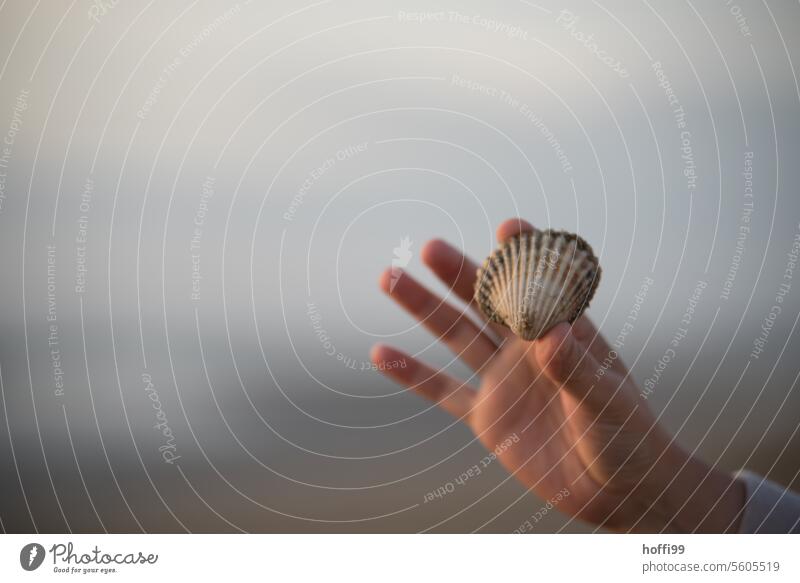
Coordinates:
(567, 363)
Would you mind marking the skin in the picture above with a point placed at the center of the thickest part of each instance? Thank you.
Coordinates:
(590, 434)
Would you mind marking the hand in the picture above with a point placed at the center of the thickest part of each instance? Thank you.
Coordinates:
(574, 424)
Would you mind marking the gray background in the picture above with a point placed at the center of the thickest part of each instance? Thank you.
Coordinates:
(273, 433)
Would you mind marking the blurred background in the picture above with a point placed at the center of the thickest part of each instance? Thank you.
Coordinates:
(197, 199)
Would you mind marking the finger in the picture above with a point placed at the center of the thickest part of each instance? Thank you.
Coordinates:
(447, 392)
(455, 269)
(568, 364)
(586, 333)
(452, 267)
(457, 272)
(512, 227)
(453, 327)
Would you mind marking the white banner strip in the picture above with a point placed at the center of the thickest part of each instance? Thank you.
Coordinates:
(401, 558)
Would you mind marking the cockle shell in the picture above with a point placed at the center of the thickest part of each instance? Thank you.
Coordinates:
(536, 280)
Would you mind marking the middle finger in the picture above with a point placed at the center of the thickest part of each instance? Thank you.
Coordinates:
(454, 328)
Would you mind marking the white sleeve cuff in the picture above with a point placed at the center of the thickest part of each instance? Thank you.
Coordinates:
(768, 507)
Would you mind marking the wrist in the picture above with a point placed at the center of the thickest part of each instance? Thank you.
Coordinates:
(692, 496)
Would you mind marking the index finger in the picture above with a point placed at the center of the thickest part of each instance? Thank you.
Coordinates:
(458, 272)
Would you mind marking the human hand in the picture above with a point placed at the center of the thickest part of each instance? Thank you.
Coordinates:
(571, 427)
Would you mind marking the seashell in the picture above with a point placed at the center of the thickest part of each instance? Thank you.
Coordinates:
(536, 280)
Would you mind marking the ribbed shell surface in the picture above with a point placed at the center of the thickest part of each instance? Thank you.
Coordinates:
(536, 280)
